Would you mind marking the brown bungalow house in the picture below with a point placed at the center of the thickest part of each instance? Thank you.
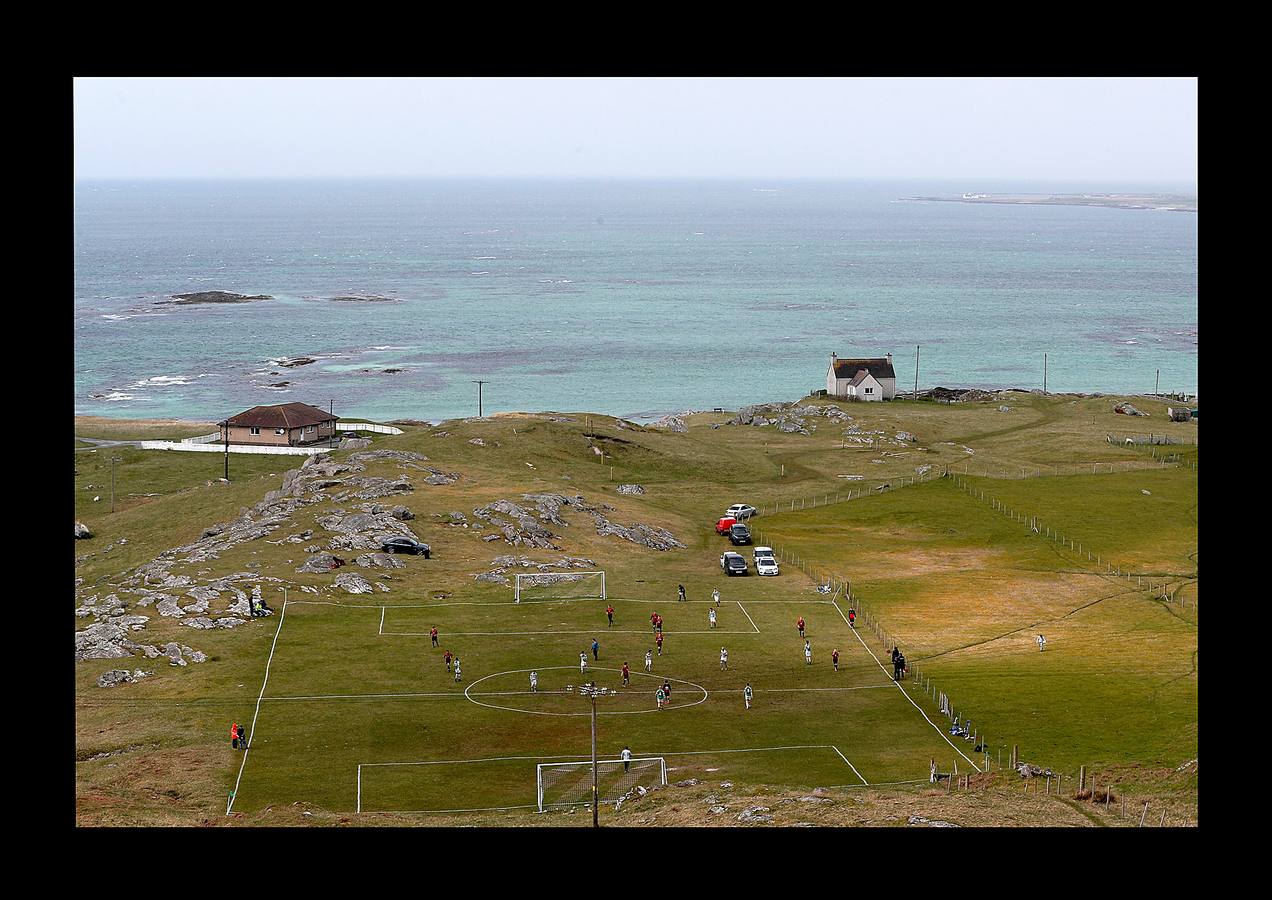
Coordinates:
(287, 425)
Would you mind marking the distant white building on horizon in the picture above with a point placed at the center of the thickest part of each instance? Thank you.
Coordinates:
(861, 379)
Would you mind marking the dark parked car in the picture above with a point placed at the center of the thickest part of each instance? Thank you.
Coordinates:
(740, 534)
(734, 564)
(405, 545)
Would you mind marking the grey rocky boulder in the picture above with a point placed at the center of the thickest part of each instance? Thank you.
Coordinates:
(630, 489)
(379, 560)
(81, 531)
(117, 677)
(353, 583)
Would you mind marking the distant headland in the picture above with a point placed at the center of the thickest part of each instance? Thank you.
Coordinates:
(1168, 202)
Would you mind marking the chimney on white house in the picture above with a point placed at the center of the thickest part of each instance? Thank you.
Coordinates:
(889, 359)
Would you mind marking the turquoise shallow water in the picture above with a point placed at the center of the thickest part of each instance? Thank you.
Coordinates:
(620, 297)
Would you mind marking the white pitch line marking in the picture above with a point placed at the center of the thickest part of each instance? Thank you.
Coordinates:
(529, 633)
(907, 696)
(251, 737)
(382, 619)
(747, 614)
(446, 695)
(850, 765)
(359, 809)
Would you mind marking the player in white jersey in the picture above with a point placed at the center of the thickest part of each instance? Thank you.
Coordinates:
(715, 595)
(627, 759)
(711, 616)
(457, 672)
(724, 659)
(808, 653)
(534, 681)
(583, 662)
(746, 695)
(1042, 642)
(649, 660)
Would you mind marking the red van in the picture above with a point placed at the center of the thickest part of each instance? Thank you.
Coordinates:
(723, 526)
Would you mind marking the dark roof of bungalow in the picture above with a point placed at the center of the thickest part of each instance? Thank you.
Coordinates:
(879, 368)
(283, 415)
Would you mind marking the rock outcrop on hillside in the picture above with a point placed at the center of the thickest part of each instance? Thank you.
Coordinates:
(522, 526)
(788, 418)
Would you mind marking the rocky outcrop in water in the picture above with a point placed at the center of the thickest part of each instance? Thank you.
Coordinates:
(199, 297)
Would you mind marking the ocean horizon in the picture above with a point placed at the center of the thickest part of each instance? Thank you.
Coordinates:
(627, 297)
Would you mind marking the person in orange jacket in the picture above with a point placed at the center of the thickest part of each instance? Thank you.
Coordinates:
(234, 735)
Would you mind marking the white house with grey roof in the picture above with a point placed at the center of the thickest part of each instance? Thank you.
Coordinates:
(861, 379)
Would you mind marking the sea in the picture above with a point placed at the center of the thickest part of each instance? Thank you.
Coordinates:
(633, 298)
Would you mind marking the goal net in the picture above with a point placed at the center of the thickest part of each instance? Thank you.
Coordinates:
(559, 586)
(570, 784)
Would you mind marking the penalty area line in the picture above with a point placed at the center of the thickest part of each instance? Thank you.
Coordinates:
(748, 616)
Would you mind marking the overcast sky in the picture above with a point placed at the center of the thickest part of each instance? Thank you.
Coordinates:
(1136, 131)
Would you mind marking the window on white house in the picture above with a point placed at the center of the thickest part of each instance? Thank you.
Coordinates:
(254, 430)
(309, 428)
(869, 390)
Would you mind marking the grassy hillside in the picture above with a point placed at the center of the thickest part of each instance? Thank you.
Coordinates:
(964, 587)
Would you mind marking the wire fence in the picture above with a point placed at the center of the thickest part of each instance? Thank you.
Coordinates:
(1164, 587)
(961, 724)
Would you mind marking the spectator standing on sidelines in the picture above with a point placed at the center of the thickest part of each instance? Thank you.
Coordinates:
(627, 759)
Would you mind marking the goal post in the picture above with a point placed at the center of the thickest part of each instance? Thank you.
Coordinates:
(570, 783)
(559, 586)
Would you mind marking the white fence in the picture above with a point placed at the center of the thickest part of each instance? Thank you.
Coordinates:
(367, 426)
(203, 438)
(233, 448)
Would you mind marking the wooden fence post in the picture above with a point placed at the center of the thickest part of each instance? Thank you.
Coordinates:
(1143, 814)
(1081, 778)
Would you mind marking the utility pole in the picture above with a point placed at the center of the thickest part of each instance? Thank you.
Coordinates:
(1044, 373)
(226, 431)
(916, 371)
(1157, 384)
(113, 460)
(591, 691)
(479, 384)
